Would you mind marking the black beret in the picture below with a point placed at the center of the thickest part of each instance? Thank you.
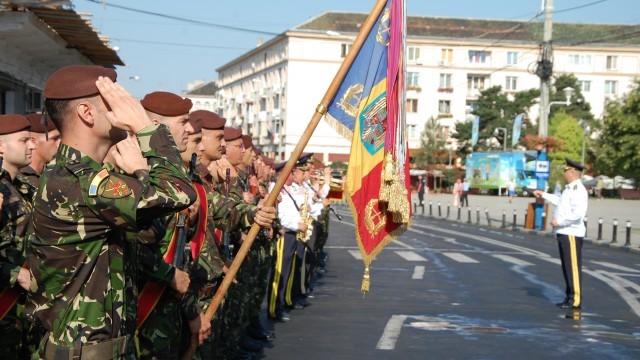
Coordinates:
(37, 125)
(209, 120)
(12, 123)
(76, 81)
(232, 133)
(573, 164)
(166, 104)
(246, 141)
(279, 166)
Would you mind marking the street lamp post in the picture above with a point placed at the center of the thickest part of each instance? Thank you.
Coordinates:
(568, 93)
(587, 131)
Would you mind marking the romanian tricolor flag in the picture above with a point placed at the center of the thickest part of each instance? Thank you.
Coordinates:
(369, 108)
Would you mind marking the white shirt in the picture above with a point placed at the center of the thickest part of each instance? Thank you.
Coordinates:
(287, 212)
(316, 206)
(571, 208)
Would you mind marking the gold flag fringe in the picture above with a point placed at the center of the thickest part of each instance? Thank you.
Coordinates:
(393, 192)
(339, 127)
(366, 281)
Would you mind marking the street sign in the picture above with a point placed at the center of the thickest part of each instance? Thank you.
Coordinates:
(542, 169)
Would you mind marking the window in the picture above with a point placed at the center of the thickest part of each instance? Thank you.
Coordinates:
(414, 53)
(413, 79)
(612, 62)
(475, 82)
(411, 131)
(446, 56)
(610, 87)
(276, 101)
(444, 107)
(344, 50)
(512, 58)
(585, 85)
(478, 57)
(445, 81)
(263, 104)
(412, 105)
(577, 59)
(472, 106)
(511, 84)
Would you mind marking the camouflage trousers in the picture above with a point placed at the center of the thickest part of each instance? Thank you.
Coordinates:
(19, 338)
(159, 336)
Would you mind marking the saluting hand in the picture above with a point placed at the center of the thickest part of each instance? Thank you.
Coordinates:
(128, 156)
(126, 111)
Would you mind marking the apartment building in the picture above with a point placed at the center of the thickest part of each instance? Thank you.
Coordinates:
(272, 91)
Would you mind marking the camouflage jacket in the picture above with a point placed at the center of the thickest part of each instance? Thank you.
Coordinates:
(31, 176)
(81, 211)
(14, 221)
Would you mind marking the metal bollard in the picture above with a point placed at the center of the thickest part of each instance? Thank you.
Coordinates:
(422, 206)
(469, 215)
(486, 211)
(448, 210)
(415, 208)
(599, 229)
(544, 219)
(586, 222)
(439, 210)
(515, 218)
(627, 241)
(430, 208)
(459, 211)
(478, 215)
(504, 220)
(614, 238)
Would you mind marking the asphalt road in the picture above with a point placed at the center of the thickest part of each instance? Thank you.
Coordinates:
(451, 290)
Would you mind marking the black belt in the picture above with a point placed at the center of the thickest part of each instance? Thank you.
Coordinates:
(102, 350)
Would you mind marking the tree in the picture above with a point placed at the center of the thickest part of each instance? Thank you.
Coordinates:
(431, 143)
(619, 141)
(496, 110)
(570, 133)
(579, 108)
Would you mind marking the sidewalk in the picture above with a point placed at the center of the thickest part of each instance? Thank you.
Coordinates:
(607, 209)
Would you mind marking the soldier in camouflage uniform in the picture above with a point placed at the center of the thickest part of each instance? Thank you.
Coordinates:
(47, 140)
(16, 149)
(82, 209)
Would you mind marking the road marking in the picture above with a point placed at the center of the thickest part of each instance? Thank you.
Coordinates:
(356, 254)
(391, 333)
(459, 257)
(403, 244)
(418, 272)
(410, 256)
(511, 259)
(617, 267)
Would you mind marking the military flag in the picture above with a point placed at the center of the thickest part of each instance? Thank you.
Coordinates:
(369, 108)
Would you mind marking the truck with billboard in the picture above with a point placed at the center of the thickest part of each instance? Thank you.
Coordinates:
(490, 172)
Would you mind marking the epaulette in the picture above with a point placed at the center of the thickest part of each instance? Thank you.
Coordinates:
(575, 187)
(76, 167)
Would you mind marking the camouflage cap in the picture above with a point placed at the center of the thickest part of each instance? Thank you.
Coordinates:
(76, 81)
(12, 123)
(166, 104)
(209, 119)
(246, 141)
(38, 123)
(232, 133)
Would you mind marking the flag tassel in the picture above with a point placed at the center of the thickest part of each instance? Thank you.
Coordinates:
(366, 282)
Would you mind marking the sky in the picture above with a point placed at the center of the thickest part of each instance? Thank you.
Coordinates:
(166, 54)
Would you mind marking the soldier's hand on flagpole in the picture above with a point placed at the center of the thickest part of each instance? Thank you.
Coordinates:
(200, 329)
(128, 156)
(126, 111)
(24, 278)
(180, 282)
(1, 201)
(265, 215)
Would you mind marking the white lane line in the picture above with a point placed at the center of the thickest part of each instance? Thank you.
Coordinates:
(410, 256)
(462, 258)
(402, 244)
(391, 333)
(418, 273)
(511, 259)
(615, 266)
(356, 254)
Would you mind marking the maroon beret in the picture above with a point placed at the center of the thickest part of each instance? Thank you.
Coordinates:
(37, 123)
(166, 104)
(246, 141)
(267, 160)
(13, 123)
(196, 124)
(209, 120)
(76, 81)
(257, 151)
(232, 133)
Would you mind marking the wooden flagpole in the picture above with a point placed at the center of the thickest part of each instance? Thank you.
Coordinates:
(320, 110)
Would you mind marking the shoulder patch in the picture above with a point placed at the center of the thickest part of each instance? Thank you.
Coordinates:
(575, 187)
(115, 188)
(96, 181)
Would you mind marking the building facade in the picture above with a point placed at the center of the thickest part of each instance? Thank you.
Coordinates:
(272, 91)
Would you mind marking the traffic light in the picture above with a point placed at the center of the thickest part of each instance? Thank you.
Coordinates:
(499, 135)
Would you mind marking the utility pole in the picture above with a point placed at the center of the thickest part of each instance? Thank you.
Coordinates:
(545, 69)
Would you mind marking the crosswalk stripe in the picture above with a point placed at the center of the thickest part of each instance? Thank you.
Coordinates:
(459, 257)
(511, 259)
(616, 267)
(410, 256)
(418, 272)
(356, 254)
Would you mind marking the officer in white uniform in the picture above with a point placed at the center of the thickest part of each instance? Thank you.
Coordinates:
(568, 223)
